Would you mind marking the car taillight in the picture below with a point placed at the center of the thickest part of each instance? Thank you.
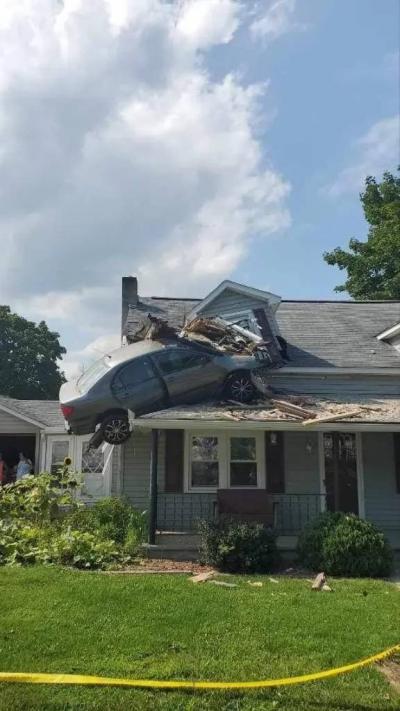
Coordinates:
(67, 411)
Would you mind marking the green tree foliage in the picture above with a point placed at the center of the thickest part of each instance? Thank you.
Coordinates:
(373, 267)
(28, 358)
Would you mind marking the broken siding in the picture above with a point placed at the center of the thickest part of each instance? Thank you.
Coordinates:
(382, 502)
(232, 302)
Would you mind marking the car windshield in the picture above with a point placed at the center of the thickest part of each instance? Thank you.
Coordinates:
(93, 374)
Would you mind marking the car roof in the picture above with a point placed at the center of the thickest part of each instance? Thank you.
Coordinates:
(134, 350)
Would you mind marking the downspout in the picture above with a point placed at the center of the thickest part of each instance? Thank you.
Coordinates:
(153, 488)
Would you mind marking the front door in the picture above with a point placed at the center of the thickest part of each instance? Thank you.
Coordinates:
(341, 472)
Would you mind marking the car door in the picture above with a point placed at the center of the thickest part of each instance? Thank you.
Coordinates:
(189, 374)
(138, 387)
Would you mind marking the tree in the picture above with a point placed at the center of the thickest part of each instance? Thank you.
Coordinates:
(373, 267)
(28, 358)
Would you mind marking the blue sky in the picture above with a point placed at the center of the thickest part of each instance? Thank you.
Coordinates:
(329, 82)
(185, 142)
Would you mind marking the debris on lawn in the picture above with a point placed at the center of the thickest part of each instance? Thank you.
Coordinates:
(319, 582)
(202, 577)
(256, 584)
(222, 584)
(326, 588)
(273, 580)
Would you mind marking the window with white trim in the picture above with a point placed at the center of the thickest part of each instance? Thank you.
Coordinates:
(224, 460)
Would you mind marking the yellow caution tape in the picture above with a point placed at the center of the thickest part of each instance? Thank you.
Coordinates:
(78, 679)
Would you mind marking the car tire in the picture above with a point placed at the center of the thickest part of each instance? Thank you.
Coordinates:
(115, 429)
(240, 387)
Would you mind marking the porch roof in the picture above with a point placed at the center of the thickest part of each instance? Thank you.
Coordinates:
(42, 413)
(357, 410)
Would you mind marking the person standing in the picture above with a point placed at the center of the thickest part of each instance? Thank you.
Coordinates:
(24, 466)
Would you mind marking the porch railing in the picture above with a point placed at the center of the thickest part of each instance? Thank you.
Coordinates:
(182, 512)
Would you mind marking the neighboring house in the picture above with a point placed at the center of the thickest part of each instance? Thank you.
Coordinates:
(36, 428)
(347, 352)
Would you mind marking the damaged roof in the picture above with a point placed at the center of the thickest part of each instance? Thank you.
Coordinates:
(45, 412)
(368, 409)
(320, 334)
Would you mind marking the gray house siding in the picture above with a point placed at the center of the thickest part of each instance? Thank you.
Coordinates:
(382, 502)
(230, 302)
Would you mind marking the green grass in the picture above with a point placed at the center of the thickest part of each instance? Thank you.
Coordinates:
(160, 626)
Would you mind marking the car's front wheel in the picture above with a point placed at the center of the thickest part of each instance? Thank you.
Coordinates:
(115, 428)
(240, 387)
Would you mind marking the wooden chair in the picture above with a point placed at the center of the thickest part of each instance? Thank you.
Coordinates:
(248, 505)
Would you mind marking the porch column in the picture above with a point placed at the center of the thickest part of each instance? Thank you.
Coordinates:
(153, 488)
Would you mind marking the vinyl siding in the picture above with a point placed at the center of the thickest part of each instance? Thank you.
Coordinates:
(136, 468)
(382, 502)
(336, 384)
(13, 425)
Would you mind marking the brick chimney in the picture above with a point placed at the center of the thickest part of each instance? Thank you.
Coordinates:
(129, 298)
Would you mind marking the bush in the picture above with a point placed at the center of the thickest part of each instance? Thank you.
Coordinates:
(343, 544)
(43, 521)
(238, 547)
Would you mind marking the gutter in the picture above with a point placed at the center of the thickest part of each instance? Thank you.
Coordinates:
(277, 425)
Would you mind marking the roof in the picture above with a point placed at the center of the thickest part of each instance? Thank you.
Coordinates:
(272, 299)
(369, 410)
(324, 334)
(45, 412)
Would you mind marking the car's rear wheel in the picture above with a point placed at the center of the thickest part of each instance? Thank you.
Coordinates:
(115, 428)
(240, 387)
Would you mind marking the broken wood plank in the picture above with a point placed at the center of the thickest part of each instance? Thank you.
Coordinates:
(326, 588)
(293, 409)
(256, 584)
(222, 584)
(319, 582)
(332, 418)
(201, 577)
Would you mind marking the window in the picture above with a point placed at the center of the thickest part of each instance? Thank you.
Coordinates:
(135, 373)
(204, 462)
(92, 460)
(244, 319)
(172, 361)
(226, 460)
(59, 450)
(243, 461)
(92, 375)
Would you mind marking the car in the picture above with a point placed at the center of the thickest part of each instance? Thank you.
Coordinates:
(148, 376)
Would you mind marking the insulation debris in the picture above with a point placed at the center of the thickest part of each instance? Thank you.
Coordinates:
(215, 333)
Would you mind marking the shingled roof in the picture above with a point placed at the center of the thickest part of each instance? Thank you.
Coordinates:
(320, 334)
(45, 412)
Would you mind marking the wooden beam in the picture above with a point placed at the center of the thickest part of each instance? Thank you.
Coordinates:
(293, 409)
(332, 418)
(153, 488)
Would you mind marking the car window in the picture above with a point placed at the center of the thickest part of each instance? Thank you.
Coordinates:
(173, 361)
(93, 374)
(135, 373)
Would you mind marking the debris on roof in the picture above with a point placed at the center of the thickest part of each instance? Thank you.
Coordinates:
(214, 333)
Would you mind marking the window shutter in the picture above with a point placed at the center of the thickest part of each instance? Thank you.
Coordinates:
(396, 443)
(275, 462)
(174, 460)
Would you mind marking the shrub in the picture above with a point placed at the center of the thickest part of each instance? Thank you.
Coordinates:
(238, 547)
(110, 518)
(311, 539)
(84, 550)
(356, 548)
(343, 544)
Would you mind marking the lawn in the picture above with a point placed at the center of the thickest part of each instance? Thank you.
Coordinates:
(163, 626)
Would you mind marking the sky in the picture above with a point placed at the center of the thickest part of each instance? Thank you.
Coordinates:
(185, 142)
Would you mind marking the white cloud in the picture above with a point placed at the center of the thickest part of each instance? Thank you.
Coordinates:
(376, 151)
(121, 154)
(274, 18)
(76, 362)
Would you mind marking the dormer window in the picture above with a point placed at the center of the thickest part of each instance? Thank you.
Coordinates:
(244, 319)
(392, 336)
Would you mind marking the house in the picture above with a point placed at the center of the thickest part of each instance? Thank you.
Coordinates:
(37, 428)
(342, 356)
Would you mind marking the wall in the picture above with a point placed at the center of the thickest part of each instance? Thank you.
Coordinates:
(382, 503)
(231, 301)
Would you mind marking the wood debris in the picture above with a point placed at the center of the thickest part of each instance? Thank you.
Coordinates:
(273, 580)
(292, 409)
(202, 577)
(222, 584)
(333, 418)
(319, 582)
(326, 588)
(256, 584)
